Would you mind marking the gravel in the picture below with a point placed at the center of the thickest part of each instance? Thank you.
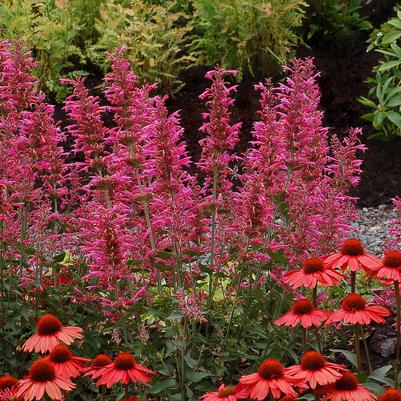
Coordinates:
(372, 224)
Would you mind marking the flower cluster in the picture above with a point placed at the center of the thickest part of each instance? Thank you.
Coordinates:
(50, 375)
(315, 373)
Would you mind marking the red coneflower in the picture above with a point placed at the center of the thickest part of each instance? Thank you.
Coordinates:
(123, 369)
(226, 394)
(316, 370)
(100, 361)
(303, 312)
(51, 332)
(314, 271)
(271, 378)
(391, 395)
(9, 394)
(352, 255)
(355, 310)
(65, 363)
(389, 267)
(7, 382)
(42, 379)
(8, 388)
(348, 388)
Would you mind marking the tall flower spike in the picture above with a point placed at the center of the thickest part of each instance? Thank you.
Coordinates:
(88, 128)
(221, 135)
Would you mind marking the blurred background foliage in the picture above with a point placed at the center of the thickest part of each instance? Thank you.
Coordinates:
(165, 37)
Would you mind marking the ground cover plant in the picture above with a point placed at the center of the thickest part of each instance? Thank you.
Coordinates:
(171, 285)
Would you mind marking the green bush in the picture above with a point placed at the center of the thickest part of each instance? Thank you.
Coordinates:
(385, 94)
(52, 31)
(67, 36)
(252, 36)
(335, 21)
(156, 37)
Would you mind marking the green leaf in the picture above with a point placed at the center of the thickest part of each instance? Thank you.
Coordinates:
(394, 102)
(391, 37)
(198, 376)
(278, 258)
(163, 385)
(388, 65)
(380, 373)
(395, 22)
(366, 102)
(376, 388)
(350, 356)
(378, 119)
(394, 117)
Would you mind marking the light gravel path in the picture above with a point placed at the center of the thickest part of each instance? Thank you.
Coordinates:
(373, 223)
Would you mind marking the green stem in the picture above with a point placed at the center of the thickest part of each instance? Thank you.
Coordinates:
(357, 348)
(314, 296)
(304, 339)
(353, 282)
(397, 347)
(150, 227)
(314, 302)
(213, 237)
(365, 345)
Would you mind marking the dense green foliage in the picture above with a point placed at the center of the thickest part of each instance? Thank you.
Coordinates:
(335, 21)
(385, 93)
(252, 36)
(156, 37)
(163, 37)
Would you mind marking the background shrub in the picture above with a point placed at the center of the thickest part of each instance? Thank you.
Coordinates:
(335, 21)
(255, 37)
(156, 38)
(385, 93)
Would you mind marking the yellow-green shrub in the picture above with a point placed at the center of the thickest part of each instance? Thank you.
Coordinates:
(156, 37)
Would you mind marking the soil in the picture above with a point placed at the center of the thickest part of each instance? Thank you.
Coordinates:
(344, 72)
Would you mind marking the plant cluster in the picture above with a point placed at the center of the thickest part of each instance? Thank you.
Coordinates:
(335, 21)
(105, 227)
(314, 373)
(255, 37)
(385, 94)
(68, 38)
(50, 376)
